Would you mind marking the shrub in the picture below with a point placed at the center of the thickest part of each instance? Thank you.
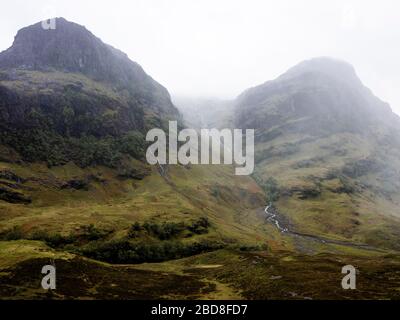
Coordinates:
(164, 231)
(124, 251)
(200, 226)
(13, 234)
(271, 189)
(169, 230)
(90, 232)
(54, 240)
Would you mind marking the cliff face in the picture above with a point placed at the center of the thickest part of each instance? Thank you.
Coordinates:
(72, 48)
(317, 96)
(63, 90)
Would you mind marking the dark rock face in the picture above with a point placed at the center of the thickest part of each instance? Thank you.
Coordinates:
(67, 96)
(72, 48)
(132, 173)
(318, 96)
(9, 175)
(77, 184)
(12, 189)
(12, 196)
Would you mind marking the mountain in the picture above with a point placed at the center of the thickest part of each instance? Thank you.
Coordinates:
(319, 96)
(72, 48)
(76, 192)
(74, 113)
(331, 148)
(64, 90)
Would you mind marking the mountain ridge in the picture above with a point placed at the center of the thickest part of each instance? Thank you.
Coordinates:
(70, 47)
(316, 72)
(62, 90)
(334, 96)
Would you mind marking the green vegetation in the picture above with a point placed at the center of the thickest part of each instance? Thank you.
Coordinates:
(13, 234)
(170, 230)
(143, 251)
(271, 189)
(73, 119)
(98, 244)
(44, 145)
(93, 242)
(220, 274)
(85, 234)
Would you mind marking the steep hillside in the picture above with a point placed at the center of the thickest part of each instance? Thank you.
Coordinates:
(327, 152)
(74, 113)
(67, 96)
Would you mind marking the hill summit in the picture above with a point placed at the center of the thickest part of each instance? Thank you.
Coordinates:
(331, 148)
(318, 96)
(69, 47)
(63, 90)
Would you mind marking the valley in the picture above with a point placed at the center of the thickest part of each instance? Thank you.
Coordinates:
(77, 192)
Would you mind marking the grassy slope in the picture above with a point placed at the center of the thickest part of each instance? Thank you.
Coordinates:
(231, 203)
(223, 274)
(183, 195)
(342, 207)
(113, 203)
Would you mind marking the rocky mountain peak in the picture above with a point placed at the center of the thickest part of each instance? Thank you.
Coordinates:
(319, 95)
(60, 86)
(70, 47)
(336, 69)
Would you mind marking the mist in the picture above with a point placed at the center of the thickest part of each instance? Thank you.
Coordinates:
(220, 48)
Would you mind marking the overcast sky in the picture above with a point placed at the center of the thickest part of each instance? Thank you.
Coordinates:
(219, 48)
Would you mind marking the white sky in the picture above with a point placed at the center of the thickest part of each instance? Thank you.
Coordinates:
(221, 47)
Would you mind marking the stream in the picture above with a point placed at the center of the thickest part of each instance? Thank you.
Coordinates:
(273, 217)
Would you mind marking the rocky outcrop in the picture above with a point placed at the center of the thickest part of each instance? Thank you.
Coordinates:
(13, 196)
(67, 96)
(72, 48)
(318, 97)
